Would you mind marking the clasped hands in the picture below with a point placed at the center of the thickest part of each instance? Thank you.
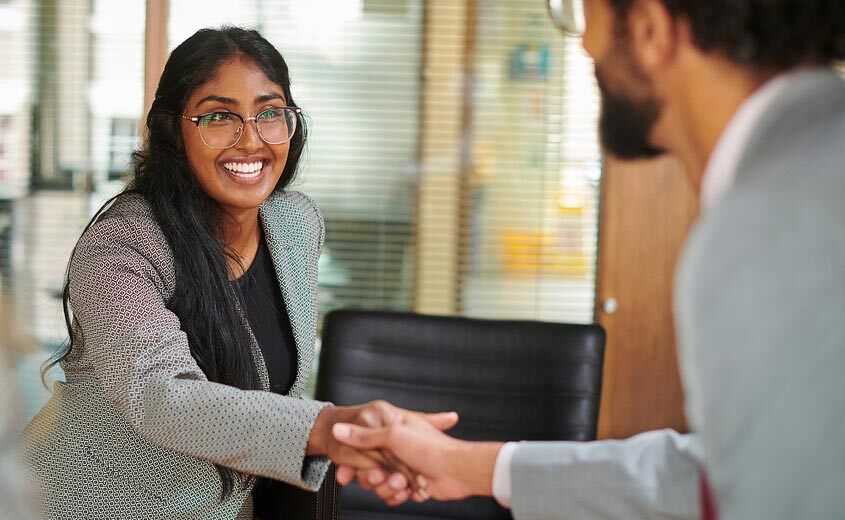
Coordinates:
(398, 454)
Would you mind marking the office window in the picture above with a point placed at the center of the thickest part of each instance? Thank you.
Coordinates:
(123, 140)
(7, 145)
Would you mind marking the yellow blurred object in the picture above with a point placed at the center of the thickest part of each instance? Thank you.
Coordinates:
(543, 254)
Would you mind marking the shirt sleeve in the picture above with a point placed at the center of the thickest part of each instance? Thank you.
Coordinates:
(654, 475)
(502, 474)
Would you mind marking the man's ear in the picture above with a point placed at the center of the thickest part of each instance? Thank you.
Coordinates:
(653, 34)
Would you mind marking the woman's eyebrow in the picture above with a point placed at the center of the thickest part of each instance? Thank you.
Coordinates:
(219, 99)
(267, 97)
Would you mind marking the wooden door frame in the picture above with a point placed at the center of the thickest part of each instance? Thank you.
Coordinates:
(646, 210)
(155, 50)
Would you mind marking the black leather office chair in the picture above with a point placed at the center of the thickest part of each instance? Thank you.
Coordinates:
(508, 380)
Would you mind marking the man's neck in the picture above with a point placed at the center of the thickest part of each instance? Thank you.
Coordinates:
(705, 103)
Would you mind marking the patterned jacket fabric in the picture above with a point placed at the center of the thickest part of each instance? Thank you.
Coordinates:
(136, 429)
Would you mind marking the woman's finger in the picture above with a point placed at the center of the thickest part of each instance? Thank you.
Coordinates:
(360, 437)
(343, 455)
(345, 474)
(390, 488)
(399, 498)
(370, 478)
(399, 467)
(420, 495)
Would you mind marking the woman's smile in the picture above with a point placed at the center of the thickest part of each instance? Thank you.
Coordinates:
(246, 172)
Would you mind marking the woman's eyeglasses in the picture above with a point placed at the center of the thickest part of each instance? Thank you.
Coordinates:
(224, 129)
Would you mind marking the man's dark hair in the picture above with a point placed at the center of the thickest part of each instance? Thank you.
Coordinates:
(765, 34)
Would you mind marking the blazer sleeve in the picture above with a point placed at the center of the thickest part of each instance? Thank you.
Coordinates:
(120, 278)
(654, 475)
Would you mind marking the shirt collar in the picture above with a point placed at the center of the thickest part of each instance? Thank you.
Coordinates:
(722, 167)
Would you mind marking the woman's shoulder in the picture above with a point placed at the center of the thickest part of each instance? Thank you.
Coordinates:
(296, 213)
(290, 202)
(129, 205)
(127, 221)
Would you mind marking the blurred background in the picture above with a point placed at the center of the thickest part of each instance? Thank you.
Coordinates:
(452, 148)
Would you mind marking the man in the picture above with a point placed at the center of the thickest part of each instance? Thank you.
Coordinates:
(744, 93)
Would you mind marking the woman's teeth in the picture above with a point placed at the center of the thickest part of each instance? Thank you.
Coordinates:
(244, 168)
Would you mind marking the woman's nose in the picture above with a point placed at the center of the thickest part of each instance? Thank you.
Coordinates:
(251, 140)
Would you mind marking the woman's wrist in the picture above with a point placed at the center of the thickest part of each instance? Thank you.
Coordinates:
(317, 439)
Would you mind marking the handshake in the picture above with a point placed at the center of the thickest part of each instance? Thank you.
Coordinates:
(403, 455)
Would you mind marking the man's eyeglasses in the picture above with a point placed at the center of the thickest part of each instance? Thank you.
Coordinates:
(224, 129)
(568, 16)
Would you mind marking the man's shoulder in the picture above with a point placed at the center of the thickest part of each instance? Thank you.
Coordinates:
(791, 175)
(800, 138)
(783, 214)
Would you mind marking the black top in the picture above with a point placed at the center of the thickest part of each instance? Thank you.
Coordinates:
(268, 319)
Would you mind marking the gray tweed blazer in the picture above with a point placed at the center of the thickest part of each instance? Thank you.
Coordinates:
(136, 429)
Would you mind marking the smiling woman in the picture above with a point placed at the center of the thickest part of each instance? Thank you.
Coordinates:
(191, 306)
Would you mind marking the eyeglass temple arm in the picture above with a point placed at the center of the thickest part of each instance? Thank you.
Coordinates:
(195, 120)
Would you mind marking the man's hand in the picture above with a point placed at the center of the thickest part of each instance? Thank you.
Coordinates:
(396, 482)
(451, 469)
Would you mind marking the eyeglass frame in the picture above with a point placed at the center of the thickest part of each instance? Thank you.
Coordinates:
(244, 120)
(567, 31)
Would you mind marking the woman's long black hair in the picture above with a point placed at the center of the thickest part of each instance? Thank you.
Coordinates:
(204, 300)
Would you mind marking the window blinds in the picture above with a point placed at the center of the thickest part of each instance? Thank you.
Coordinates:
(528, 168)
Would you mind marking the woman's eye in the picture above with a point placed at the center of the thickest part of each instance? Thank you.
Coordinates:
(270, 114)
(216, 117)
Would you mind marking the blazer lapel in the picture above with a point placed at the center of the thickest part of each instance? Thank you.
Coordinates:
(257, 356)
(296, 280)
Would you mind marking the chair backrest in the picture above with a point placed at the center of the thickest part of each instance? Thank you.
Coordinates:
(508, 380)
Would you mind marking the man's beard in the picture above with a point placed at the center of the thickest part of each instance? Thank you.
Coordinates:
(625, 122)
